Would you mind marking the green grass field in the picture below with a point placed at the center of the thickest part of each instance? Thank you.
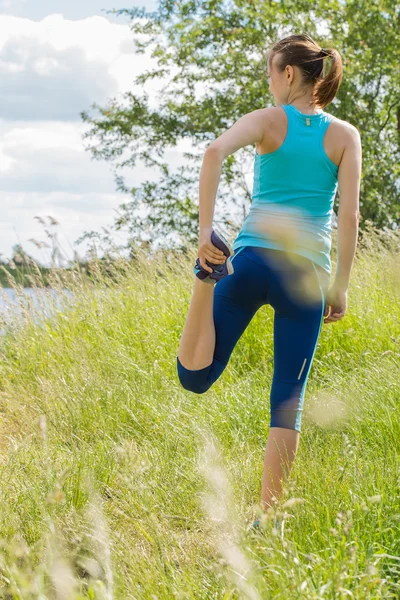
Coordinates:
(118, 483)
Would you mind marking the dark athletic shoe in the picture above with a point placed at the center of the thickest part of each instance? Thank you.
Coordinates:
(219, 270)
(219, 240)
(255, 526)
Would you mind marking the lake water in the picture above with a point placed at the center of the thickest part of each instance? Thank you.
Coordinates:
(39, 301)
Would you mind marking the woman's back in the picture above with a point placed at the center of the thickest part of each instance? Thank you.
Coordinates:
(294, 189)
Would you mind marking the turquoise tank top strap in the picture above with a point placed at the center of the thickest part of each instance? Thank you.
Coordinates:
(293, 115)
(291, 125)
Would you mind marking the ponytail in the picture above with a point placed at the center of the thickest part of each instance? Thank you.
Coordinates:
(327, 87)
(302, 51)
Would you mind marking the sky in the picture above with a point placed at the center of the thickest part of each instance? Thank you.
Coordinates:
(58, 57)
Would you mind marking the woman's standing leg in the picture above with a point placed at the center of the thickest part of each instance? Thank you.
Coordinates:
(298, 318)
(280, 452)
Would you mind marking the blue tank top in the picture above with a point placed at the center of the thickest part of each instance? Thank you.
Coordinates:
(293, 192)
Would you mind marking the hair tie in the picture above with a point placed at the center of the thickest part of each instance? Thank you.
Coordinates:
(324, 52)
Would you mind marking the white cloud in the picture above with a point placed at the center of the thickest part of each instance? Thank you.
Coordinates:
(51, 70)
(53, 85)
(50, 157)
(50, 48)
(56, 68)
(71, 9)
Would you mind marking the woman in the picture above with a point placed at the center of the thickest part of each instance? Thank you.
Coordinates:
(281, 255)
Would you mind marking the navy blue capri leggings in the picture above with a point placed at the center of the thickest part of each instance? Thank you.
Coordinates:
(267, 276)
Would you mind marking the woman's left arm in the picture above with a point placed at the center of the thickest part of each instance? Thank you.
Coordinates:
(249, 129)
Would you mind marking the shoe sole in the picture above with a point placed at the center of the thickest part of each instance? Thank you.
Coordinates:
(229, 266)
(224, 240)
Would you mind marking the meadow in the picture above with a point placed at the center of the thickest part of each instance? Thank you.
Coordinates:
(119, 484)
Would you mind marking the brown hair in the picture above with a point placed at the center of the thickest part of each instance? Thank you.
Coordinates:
(301, 51)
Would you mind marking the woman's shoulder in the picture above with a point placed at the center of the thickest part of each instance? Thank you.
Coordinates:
(344, 126)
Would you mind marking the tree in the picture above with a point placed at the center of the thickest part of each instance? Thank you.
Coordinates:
(218, 48)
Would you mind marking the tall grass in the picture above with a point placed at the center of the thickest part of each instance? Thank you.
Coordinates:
(119, 484)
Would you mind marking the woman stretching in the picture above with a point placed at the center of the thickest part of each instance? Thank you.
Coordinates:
(281, 255)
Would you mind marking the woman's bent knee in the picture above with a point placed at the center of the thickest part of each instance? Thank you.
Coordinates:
(195, 387)
(200, 380)
(197, 381)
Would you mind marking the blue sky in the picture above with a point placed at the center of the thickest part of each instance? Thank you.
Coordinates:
(71, 9)
(56, 59)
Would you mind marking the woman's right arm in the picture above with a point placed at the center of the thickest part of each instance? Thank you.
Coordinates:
(349, 177)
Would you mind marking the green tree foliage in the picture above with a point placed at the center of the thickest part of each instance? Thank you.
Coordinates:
(217, 48)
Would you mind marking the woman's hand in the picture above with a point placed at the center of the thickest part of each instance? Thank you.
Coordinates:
(207, 251)
(336, 300)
